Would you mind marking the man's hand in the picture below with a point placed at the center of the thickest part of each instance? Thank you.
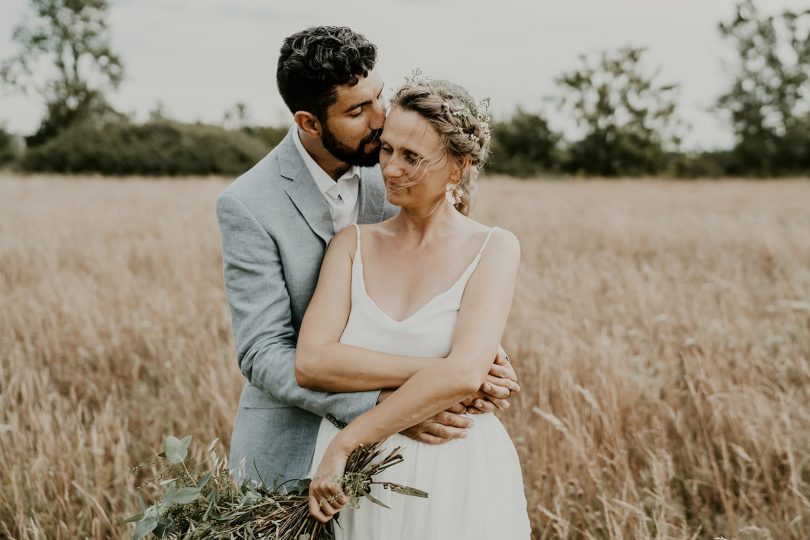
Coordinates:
(441, 428)
(445, 426)
(500, 384)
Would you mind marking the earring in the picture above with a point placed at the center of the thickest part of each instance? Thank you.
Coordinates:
(453, 193)
(450, 193)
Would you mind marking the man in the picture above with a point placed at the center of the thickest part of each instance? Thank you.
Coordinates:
(276, 221)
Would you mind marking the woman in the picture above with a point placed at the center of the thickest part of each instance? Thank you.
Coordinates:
(435, 287)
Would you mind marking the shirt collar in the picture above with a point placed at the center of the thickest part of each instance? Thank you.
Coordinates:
(323, 180)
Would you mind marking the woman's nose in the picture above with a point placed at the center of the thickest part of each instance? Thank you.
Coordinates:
(391, 168)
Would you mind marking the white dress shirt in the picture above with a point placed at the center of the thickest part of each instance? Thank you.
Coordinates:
(341, 196)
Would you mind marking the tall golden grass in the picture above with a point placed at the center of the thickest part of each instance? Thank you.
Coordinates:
(661, 332)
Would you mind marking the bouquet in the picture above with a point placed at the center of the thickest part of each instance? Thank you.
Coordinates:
(200, 500)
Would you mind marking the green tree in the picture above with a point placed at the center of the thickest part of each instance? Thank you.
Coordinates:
(64, 57)
(628, 118)
(524, 145)
(8, 152)
(768, 102)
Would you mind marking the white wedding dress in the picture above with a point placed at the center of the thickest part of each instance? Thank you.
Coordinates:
(474, 484)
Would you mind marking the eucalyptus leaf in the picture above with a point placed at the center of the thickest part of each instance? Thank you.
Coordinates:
(204, 480)
(177, 449)
(183, 496)
(164, 527)
(136, 517)
(375, 500)
(144, 527)
(405, 490)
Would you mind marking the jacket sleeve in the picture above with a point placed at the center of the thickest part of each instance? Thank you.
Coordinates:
(262, 320)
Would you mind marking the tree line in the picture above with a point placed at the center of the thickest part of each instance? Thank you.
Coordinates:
(627, 118)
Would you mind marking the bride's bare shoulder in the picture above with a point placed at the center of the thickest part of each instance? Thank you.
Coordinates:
(503, 245)
(502, 251)
(499, 234)
(381, 229)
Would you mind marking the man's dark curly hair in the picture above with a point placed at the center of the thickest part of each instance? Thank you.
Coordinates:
(316, 60)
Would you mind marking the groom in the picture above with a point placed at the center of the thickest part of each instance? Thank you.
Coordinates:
(276, 221)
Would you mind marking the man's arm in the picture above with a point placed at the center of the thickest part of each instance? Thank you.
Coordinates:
(262, 321)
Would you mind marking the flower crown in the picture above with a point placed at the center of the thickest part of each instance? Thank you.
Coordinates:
(479, 110)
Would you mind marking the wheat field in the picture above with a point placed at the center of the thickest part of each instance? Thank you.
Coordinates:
(660, 330)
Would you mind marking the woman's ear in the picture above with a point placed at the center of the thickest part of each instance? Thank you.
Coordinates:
(308, 123)
(461, 169)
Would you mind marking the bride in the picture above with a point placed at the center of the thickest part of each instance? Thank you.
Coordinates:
(418, 302)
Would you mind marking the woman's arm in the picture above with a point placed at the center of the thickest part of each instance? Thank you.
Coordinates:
(321, 361)
(481, 321)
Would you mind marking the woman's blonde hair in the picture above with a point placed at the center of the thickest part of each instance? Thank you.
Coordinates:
(460, 123)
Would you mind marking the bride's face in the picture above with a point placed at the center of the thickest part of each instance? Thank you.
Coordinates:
(414, 163)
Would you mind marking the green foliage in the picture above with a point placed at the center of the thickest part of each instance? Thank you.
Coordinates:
(712, 164)
(524, 145)
(768, 102)
(613, 151)
(269, 135)
(202, 502)
(8, 150)
(64, 57)
(155, 148)
(628, 118)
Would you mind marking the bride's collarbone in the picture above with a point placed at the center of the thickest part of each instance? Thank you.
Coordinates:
(402, 280)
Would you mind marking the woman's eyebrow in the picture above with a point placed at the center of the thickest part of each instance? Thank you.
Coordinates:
(403, 149)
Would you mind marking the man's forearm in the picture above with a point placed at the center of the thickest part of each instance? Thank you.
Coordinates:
(270, 366)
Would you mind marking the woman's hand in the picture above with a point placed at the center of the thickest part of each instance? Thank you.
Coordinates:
(326, 497)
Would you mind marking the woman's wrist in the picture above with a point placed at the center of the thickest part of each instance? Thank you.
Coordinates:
(346, 440)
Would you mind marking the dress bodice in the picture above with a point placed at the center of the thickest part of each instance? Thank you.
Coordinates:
(428, 332)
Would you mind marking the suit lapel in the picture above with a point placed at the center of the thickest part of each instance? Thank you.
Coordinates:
(303, 191)
(371, 197)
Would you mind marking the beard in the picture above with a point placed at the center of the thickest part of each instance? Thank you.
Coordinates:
(353, 156)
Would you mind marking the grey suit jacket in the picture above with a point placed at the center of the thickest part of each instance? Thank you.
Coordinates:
(275, 226)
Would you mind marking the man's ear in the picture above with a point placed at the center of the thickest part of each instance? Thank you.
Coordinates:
(308, 123)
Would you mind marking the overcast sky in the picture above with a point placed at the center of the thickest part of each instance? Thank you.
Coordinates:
(199, 57)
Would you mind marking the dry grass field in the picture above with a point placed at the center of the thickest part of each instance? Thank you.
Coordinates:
(661, 331)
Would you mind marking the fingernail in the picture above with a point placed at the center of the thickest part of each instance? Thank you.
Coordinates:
(487, 387)
(479, 404)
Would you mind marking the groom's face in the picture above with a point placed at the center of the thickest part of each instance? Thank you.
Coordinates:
(353, 124)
